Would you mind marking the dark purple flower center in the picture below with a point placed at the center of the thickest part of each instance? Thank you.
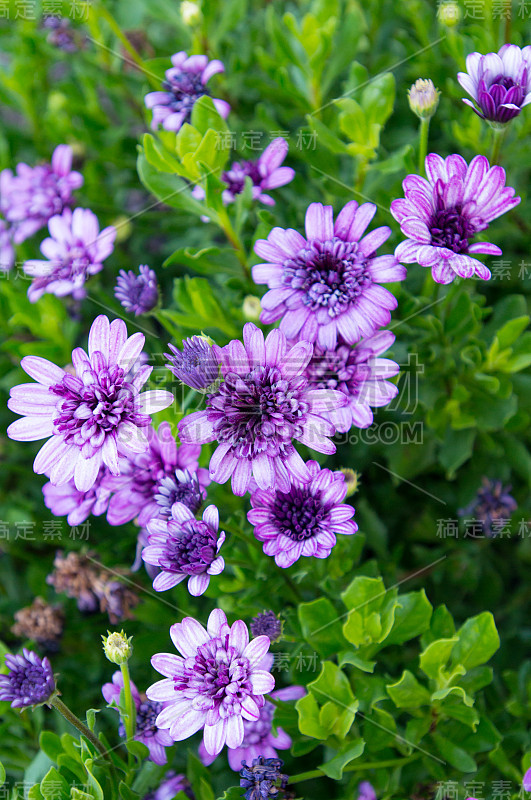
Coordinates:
(186, 88)
(181, 487)
(31, 681)
(257, 731)
(217, 676)
(88, 413)
(495, 95)
(298, 514)
(329, 274)
(235, 176)
(266, 624)
(450, 228)
(337, 369)
(191, 548)
(258, 413)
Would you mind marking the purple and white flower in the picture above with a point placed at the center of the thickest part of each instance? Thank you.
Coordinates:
(185, 83)
(90, 417)
(441, 214)
(66, 500)
(75, 250)
(328, 284)
(305, 520)
(359, 374)
(155, 739)
(138, 294)
(216, 684)
(184, 547)
(29, 682)
(29, 198)
(196, 365)
(262, 403)
(152, 481)
(7, 251)
(258, 736)
(172, 784)
(499, 83)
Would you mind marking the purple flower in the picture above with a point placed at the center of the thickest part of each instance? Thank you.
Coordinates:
(91, 416)
(183, 547)
(61, 34)
(526, 783)
(66, 500)
(185, 83)
(263, 779)
(138, 294)
(152, 481)
(7, 251)
(170, 787)
(359, 374)
(196, 365)
(216, 685)
(258, 736)
(33, 195)
(75, 250)
(492, 506)
(262, 403)
(156, 740)
(267, 624)
(366, 791)
(441, 214)
(500, 83)
(305, 520)
(327, 284)
(29, 682)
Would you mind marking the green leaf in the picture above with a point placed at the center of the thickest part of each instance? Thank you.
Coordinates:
(234, 793)
(408, 692)
(91, 717)
(52, 782)
(207, 260)
(478, 640)
(95, 787)
(50, 744)
(158, 157)
(205, 116)
(455, 755)
(2, 774)
(199, 308)
(334, 768)
(456, 449)
(321, 626)
(350, 657)
(126, 793)
(510, 332)
(199, 778)
(378, 97)
(169, 189)
(412, 617)
(336, 715)
(435, 656)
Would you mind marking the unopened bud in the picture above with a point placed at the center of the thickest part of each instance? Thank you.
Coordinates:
(449, 14)
(117, 647)
(423, 98)
(251, 307)
(190, 13)
(352, 480)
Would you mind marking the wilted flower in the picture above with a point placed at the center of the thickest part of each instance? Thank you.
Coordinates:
(305, 520)
(75, 251)
(151, 482)
(146, 730)
(423, 98)
(92, 416)
(492, 507)
(267, 624)
(29, 682)
(263, 779)
(359, 374)
(185, 83)
(41, 622)
(499, 83)
(262, 403)
(184, 547)
(328, 284)
(66, 500)
(441, 214)
(33, 195)
(197, 365)
(138, 294)
(216, 685)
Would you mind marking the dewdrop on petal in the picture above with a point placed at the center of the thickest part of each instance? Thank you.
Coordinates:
(117, 647)
(423, 98)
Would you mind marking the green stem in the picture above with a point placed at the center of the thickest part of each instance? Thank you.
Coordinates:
(82, 728)
(424, 130)
(236, 243)
(130, 709)
(497, 141)
(392, 762)
(126, 44)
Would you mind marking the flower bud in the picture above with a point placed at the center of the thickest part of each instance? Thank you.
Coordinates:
(251, 307)
(423, 98)
(449, 14)
(190, 13)
(352, 480)
(117, 647)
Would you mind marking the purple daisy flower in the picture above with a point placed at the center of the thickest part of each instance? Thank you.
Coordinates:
(7, 251)
(33, 195)
(366, 791)
(75, 250)
(155, 739)
(66, 500)
(29, 682)
(170, 787)
(262, 403)
(359, 374)
(526, 783)
(305, 520)
(185, 83)
(184, 547)
(441, 214)
(91, 416)
(152, 481)
(258, 736)
(267, 624)
(215, 685)
(196, 365)
(327, 284)
(500, 83)
(138, 294)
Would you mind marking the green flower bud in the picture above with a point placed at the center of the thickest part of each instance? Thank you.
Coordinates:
(423, 98)
(352, 480)
(251, 307)
(117, 647)
(449, 14)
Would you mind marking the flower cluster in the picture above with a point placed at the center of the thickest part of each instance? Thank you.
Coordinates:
(29, 682)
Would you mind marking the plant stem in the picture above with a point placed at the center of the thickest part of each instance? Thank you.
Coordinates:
(424, 130)
(498, 137)
(130, 709)
(235, 241)
(392, 762)
(82, 728)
